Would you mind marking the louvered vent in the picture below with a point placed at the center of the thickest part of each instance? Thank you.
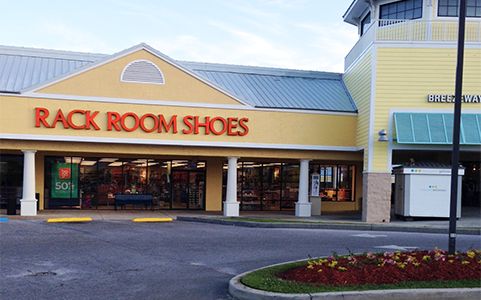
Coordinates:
(143, 71)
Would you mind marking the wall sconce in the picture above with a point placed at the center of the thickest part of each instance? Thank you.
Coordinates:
(382, 135)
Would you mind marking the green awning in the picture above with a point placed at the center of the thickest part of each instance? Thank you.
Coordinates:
(436, 128)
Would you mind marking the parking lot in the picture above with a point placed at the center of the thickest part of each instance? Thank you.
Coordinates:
(178, 260)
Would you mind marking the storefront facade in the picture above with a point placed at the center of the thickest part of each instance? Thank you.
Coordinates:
(95, 132)
(88, 127)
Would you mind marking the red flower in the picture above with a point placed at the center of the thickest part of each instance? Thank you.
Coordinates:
(389, 268)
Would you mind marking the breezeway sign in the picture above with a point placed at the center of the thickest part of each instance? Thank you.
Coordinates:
(437, 98)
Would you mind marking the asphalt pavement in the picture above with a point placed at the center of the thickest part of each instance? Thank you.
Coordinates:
(118, 259)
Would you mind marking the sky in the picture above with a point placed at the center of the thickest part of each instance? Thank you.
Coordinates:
(297, 34)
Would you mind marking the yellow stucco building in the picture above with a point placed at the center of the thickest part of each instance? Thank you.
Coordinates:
(94, 131)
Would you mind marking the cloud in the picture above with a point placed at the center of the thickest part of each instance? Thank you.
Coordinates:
(332, 43)
(57, 35)
(272, 33)
(322, 48)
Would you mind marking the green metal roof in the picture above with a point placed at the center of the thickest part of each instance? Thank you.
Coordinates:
(436, 128)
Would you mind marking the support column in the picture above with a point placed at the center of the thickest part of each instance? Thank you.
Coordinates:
(231, 206)
(376, 197)
(303, 206)
(28, 203)
(213, 184)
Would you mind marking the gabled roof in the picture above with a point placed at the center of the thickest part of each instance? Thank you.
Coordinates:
(21, 67)
(24, 68)
(279, 88)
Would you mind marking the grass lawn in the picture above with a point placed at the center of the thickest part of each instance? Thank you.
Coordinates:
(266, 279)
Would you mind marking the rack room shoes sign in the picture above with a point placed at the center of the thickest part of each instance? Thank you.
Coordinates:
(79, 119)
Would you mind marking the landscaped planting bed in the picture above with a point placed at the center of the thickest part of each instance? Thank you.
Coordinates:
(388, 270)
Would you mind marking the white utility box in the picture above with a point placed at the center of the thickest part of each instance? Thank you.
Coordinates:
(424, 192)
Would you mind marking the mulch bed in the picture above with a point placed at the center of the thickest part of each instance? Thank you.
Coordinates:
(388, 268)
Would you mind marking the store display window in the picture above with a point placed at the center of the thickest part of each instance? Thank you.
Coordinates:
(11, 178)
(265, 186)
(336, 182)
(87, 182)
(62, 181)
(290, 185)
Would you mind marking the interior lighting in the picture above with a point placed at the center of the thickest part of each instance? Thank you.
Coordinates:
(88, 162)
(139, 161)
(108, 159)
(72, 160)
(177, 164)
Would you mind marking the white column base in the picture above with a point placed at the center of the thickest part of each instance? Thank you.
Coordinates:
(231, 209)
(303, 209)
(28, 207)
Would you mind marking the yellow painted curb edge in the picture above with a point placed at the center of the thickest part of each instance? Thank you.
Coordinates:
(147, 220)
(69, 220)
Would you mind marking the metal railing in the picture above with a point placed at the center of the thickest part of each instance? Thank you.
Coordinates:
(412, 31)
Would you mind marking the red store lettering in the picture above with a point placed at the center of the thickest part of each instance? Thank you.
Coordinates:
(42, 114)
(148, 123)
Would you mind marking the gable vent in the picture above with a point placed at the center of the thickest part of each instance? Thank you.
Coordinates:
(143, 71)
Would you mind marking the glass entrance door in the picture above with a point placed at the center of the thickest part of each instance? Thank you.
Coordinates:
(188, 189)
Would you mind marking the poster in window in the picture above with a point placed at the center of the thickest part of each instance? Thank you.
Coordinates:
(315, 185)
(64, 180)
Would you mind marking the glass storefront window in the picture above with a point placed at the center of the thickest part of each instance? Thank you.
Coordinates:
(135, 176)
(345, 183)
(62, 181)
(188, 179)
(328, 183)
(336, 182)
(159, 183)
(272, 186)
(265, 186)
(290, 185)
(11, 178)
(251, 186)
(94, 182)
(110, 180)
(180, 191)
(88, 183)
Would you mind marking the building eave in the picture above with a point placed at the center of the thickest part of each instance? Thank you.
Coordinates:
(355, 10)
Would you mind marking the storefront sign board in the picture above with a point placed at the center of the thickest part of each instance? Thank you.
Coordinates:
(64, 180)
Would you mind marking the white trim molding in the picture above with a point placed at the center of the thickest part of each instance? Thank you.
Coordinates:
(372, 109)
(87, 139)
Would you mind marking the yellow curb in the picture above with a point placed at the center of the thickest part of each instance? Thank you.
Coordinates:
(69, 220)
(147, 220)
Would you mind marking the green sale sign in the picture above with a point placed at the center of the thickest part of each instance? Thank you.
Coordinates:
(64, 180)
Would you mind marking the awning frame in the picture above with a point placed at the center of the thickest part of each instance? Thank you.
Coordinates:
(435, 128)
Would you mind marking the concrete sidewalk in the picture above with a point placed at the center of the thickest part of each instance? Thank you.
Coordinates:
(469, 223)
